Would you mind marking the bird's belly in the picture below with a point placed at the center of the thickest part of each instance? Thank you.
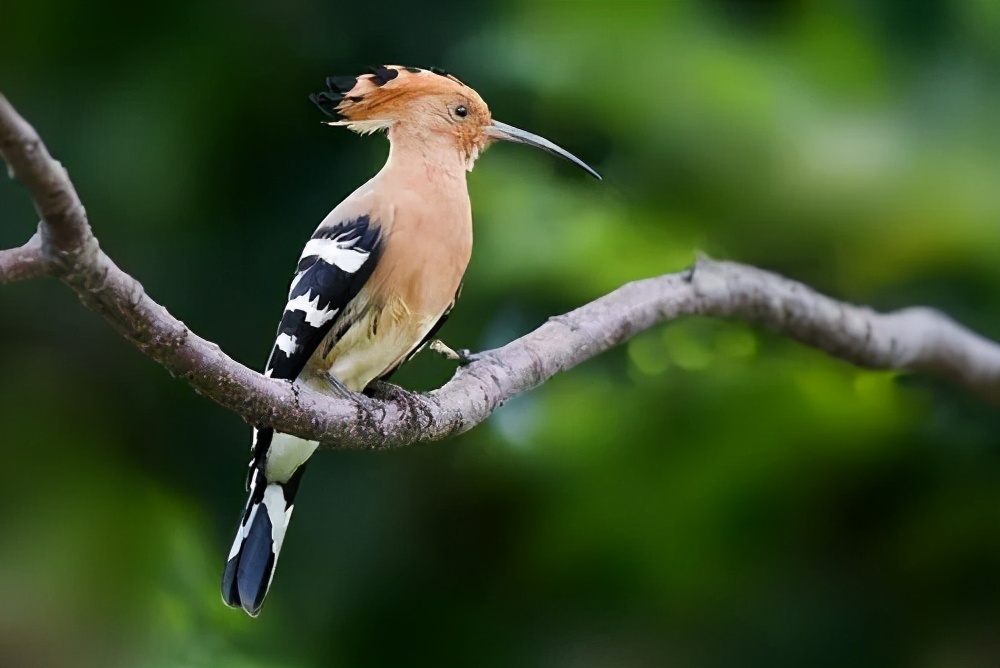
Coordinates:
(375, 343)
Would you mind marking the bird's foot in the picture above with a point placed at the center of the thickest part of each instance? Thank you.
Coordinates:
(385, 391)
(463, 356)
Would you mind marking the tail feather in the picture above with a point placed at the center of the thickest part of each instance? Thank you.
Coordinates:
(250, 567)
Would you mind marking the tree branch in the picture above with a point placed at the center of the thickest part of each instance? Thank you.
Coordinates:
(916, 339)
(22, 263)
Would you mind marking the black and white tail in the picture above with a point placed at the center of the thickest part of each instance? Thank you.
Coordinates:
(254, 555)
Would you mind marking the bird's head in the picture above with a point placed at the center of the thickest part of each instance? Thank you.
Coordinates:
(424, 103)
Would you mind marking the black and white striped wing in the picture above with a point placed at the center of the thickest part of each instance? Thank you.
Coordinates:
(334, 265)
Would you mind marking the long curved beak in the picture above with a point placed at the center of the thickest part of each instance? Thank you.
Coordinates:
(509, 133)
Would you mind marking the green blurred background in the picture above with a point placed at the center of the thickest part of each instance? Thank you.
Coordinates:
(707, 495)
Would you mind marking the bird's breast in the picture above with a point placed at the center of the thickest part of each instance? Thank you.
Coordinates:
(424, 257)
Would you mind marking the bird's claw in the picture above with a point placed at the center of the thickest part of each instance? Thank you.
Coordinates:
(463, 356)
(385, 391)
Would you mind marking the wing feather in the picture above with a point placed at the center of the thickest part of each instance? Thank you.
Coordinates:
(334, 265)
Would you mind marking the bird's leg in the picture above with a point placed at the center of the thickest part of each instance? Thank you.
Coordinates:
(329, 384)
(463, 356)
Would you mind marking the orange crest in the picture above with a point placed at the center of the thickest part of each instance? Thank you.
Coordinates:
(427, 108)
(392, 93)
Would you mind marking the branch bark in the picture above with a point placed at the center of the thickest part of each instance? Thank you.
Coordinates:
(916, 339)
(22, 263)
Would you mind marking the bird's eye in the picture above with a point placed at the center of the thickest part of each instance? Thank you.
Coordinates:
(461, 111)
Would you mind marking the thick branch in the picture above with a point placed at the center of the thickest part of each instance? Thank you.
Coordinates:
(916, 339)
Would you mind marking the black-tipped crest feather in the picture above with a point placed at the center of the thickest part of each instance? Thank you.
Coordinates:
(337, 90)
(443, 73)
(383, 75)
(341, 85)
(327, 103)
(338, 87)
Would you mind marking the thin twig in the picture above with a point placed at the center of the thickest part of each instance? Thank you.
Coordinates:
(23, 262)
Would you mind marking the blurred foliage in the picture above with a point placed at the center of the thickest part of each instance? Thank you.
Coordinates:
(707, 495)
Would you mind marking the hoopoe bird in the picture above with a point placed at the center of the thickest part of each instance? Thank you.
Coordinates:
(376, 280)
